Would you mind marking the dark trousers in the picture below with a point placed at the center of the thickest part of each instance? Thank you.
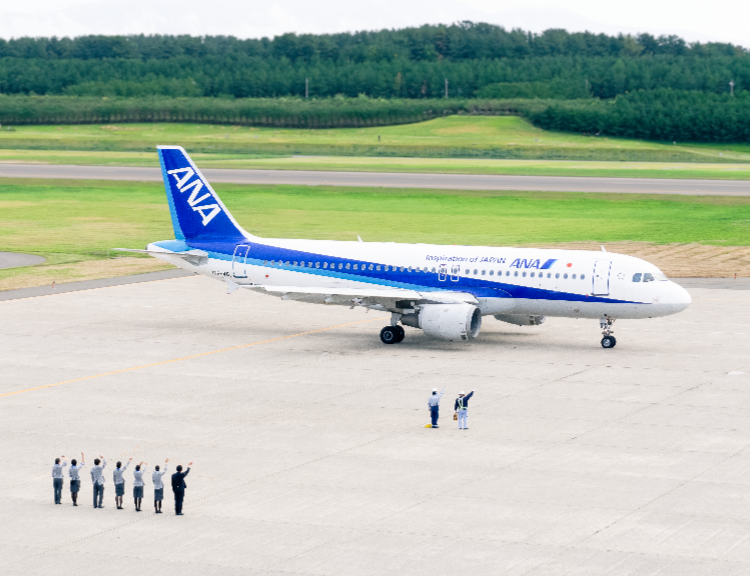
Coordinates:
(98, 495)
(179, 496)
(434, 414)
(57, 484)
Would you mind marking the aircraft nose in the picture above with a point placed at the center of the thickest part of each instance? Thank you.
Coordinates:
(679, 297)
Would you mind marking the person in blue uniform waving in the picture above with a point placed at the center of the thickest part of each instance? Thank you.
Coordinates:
(461, 406)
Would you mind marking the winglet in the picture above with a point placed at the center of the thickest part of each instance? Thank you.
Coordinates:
(603, 248)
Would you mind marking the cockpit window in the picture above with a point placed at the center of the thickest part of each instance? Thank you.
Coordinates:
(637, 277)
(648, 277)
(660, 276)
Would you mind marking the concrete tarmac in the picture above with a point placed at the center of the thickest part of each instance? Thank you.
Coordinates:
(311, 456)
(396, 180)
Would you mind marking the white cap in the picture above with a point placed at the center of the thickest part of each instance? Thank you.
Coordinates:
(434, 389)
(462, 392)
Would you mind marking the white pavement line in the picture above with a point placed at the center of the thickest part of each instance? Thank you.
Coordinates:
(187, 357)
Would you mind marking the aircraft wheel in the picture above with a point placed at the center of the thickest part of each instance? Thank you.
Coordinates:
(608, 342)
(389, 335)
(400, 333)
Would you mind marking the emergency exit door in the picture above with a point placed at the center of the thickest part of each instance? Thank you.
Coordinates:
(601, 277)
(239, 261)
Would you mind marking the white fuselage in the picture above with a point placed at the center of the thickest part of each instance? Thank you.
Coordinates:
(528, 281)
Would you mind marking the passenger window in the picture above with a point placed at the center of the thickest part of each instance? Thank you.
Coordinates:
(355, 267)
(583, 276)
(325, 264)
(294, 263)
(507, 273)
(433, 270)
(286, 263)
(348, 266)
(637, 277)
(265, 262)
(515, 273)
(574, 276)
(317, 264)
(377, 267)
(273, 262)
(523, 274)
(484, 272)
(648, 277)
(467, 272)
(386, 268)
(549, 274)
(492, 272)
(532, 274)
(565, 276)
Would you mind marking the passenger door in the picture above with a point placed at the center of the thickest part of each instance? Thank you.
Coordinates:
(601, 277)
(443, 272)
(239, 261)
(454, 273)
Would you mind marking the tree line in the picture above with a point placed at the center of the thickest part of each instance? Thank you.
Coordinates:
(253, 77)
(460, 41)
(664, 115)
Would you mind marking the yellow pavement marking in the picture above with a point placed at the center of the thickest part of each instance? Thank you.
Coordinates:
(188, 357)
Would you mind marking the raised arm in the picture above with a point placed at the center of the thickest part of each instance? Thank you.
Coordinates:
(441, 393)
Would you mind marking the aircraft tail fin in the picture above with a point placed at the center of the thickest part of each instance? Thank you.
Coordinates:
(197, 212)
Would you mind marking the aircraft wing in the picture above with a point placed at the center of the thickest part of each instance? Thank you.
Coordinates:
(386, 296)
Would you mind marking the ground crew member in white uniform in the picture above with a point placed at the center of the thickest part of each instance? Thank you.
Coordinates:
(461, 407)
(57, 478)
(75, 479)
(156, 478)
(433, 403)
(119, 482)
(97, 477)
(140, 469)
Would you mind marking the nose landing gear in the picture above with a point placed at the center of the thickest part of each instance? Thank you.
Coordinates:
(605, 324)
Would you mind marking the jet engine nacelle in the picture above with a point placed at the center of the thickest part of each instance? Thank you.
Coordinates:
(447, 321)
(521, 319)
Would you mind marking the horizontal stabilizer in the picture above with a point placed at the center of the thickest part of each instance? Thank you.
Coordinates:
(196, 257)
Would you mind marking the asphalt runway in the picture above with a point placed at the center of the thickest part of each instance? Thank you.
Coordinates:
(396, 180)
(311, 456)
(16, 260)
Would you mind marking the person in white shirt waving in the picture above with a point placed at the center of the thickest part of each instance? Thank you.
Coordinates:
(156, 478)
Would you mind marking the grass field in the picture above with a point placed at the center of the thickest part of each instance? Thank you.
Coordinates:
(424, 165)
(508, 136)
(73, 223)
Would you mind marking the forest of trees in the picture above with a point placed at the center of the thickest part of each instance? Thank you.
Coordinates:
(407, 63)
(641, 86)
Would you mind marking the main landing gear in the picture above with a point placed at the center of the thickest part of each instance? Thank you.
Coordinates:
(392, 334)
(605, 324)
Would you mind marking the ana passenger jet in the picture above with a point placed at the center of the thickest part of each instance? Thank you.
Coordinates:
(443, 290)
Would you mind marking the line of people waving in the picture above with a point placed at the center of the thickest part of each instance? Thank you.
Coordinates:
(97, 478)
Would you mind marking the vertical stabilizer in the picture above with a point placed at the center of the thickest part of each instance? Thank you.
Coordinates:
(197, 213)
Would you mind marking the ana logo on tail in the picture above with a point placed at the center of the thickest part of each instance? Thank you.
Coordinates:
(194, 200)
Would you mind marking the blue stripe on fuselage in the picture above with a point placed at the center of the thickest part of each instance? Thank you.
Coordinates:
(419, 281)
